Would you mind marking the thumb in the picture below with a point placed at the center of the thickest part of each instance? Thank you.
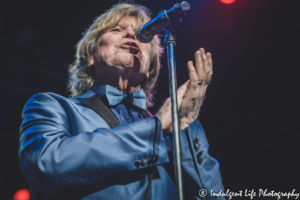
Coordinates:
(181, 92)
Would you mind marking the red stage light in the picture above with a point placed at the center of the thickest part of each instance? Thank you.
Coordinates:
(22, 194)
(227, 1)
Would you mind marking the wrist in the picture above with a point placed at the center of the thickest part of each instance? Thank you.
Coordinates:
(165, 129)
(183, 126)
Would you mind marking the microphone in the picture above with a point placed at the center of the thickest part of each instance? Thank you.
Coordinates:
(164, 20)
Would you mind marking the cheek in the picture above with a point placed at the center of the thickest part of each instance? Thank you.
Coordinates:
(107, 40)
(147, 52)
(105, 48)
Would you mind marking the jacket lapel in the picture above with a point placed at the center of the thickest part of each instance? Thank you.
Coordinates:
(146, 114)
(101, 109)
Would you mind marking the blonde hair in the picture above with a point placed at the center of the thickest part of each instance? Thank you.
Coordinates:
(81, 77)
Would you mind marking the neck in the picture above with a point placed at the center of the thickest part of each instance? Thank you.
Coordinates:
(126, 81)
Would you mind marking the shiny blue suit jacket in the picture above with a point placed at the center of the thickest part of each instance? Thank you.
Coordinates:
(68, 151)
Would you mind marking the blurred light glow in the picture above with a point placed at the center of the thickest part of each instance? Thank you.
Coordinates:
(227, 1)
(22, 194)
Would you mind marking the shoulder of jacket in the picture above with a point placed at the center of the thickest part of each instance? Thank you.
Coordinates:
(47, 97)
(50, 96)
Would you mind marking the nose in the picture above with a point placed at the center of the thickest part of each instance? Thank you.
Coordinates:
(130, 33)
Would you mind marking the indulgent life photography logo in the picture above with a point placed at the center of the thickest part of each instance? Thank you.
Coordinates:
(251, 194)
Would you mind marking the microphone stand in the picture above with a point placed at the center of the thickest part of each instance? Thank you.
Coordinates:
(170, 42)
(166, 20)
(174, 16)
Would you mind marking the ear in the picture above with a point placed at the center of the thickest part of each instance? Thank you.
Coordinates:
(147, 75)
(91, 63)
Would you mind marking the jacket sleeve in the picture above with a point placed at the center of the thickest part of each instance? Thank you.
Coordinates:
(51, 158)
(201, 172)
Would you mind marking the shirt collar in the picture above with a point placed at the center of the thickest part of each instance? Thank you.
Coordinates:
(98, 89)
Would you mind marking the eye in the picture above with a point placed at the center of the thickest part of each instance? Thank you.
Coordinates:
(116, 30)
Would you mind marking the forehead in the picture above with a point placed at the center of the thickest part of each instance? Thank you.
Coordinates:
(128, 21)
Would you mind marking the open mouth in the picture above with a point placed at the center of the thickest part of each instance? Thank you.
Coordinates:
(132, 47)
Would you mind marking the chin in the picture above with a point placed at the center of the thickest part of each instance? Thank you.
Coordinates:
(130, 61)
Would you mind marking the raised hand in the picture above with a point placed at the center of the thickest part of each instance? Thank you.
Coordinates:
(200, 76)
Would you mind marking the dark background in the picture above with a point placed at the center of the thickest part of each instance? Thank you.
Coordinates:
(249, 114)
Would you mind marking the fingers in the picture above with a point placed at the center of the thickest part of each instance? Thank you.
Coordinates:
(199, 65)
(203, 65)
(209, 59)
(181, 92)
(205, 62)
(193, 75)
(210, 66)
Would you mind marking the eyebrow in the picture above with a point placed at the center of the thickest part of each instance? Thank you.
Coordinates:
(123, 25)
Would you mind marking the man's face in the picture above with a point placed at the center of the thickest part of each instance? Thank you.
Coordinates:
(118, 49)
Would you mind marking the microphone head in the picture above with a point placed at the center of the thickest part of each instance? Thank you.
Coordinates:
(140, 36)
(181, 9)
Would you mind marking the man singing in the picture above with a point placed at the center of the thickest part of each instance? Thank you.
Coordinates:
(102, 143)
